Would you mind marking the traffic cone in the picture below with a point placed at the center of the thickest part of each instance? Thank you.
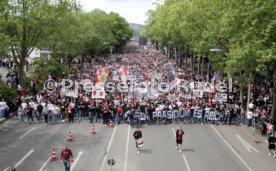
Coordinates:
(93, 130)
(110, 125)
(70, 137)
(54, 156)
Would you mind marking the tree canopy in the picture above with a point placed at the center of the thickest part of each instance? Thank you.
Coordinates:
(61, 26)
(244, 30)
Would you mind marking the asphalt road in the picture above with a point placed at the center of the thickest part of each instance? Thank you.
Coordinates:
(205, 147)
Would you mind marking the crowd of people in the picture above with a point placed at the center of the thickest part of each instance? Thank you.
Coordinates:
(143, 65)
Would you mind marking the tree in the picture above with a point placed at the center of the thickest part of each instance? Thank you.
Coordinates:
(28, 24)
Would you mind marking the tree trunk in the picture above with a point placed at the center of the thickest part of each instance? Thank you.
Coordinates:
(192, 62)
(186, 58)
(273, 112)
(241, 95)
(198, 65)
(248, 94)
(208, 69)
(175, 55)
(202, 66)
(24, 49)
(21, 73)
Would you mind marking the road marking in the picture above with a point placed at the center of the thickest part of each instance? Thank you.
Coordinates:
(76, 160)
(108, 147)
(246, 144)
(173, 132)
(26, 133)
(127, 144)
(27, 155)
(41, 169)
(186, 162)
(231, 148)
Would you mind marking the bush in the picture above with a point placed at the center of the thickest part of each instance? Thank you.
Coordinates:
(44, 67)
(6, 92)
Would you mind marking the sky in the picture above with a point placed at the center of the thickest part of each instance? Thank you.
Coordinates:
(134, 11)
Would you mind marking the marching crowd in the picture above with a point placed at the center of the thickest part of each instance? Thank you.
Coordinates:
(143, 65)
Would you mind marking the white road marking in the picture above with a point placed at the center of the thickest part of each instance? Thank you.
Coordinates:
(232, 149)
(41, 169)
(127, 144)
(246, 144)
(173, 132)
(186, 162)
(27, 155)
(26, 133)
(76, 160)
(108, 147)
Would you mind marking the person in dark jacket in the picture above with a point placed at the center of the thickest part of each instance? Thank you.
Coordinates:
(137, 137)
(39, 110)
(272, 144)
(29, 112)
(179, 138)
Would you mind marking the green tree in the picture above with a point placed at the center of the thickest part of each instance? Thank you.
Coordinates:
(28, 24)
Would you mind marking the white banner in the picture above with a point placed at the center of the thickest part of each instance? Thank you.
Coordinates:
(98, 92)
(221, 97)
(198, 94)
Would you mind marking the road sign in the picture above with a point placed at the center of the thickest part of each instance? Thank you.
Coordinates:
(111, 162)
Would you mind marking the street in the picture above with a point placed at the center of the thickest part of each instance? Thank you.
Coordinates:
(205, 147)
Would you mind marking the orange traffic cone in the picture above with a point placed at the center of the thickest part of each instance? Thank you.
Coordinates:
(93, 130)
(70, 137)
(54, 156)
(110, 125)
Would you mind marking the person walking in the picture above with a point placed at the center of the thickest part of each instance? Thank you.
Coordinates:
(272, 144)
(179, 138)
(45, 112)
(29, 113)
(70, 111)
(21, 115)
(138, 139)
(65, 156)
(39, 110)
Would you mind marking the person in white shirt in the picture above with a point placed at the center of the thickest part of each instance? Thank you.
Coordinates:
(3, 108)
(251, 105)
(24, 105)
(249, 117)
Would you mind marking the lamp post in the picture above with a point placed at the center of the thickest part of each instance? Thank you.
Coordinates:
(215, 49)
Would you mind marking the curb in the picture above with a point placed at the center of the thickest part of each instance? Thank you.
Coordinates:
(5, 119)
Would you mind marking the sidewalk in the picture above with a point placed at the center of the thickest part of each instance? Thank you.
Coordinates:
(257, 134)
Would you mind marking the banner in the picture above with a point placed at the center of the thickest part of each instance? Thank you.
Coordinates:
(174, 83)
(221, 97)
(71, 94)
(98, 92)
(138, 115)
(123, 73)
(200, 114)
(198, 94)
(102, 74)
(152, 94)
